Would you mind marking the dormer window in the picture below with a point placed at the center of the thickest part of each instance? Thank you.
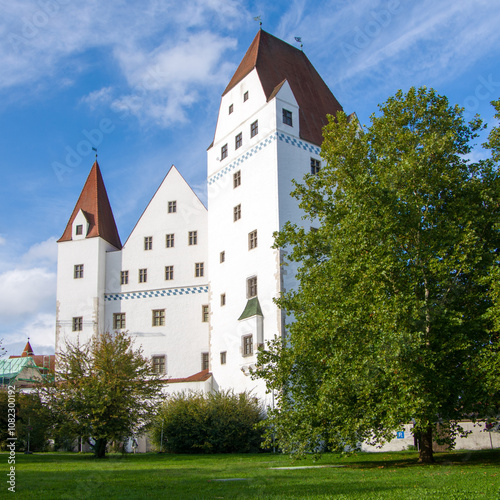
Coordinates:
(287, 117)
(79, 229)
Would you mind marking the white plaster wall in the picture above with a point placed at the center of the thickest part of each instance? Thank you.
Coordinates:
(84, 296)
(184, 336)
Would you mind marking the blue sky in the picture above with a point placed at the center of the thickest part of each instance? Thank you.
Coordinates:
(142, 81)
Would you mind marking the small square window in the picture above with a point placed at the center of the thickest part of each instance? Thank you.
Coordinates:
(143, 275)
(222, 257)
(231, 108)
(169, 240)
(222, 299)
(204, 361)
(251, 287)
(247, 345)
(118, 321)
(193, 238)
(237, 179)
(199, 270)
(172, 207)
(159, 364)
(223, 152)
(238, 141)
(148, 243)
(204, 314)
(223, 356)
(254, 128)
(169, 272)
(237, 213)
(124, 278)
(287, 117)
(252, 240)
(78, 271)
(158, 317)
(79, 229)
(315, 166)
(77, 324)
(245, 96)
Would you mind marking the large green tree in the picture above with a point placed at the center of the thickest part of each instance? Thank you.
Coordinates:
(104, 390)
(389, 320)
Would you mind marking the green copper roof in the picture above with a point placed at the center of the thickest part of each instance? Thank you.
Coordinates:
(252, 309)
(9, 368)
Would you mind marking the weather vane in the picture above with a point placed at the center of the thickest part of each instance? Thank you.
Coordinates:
(299, 40)
(258, 18)
(95, 149)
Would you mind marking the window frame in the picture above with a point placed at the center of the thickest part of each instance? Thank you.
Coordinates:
(172, 207)
(143, 275)
(252, 289)
(170, 240)
(237, 213)
(169, 273)
(124, 277)
(238, 140)
(77, 324)
(223, 357)
(159, 363)
(315, 166)
(223, 152)
(148, 243)
(247, 345)
(193, 238)
(237, 179)
(158, 317)
(252, 239)
(246, 96)
(287, 117)
(254, 128)
(205, 361)
(78, 271)
(199, 269)
(79, 230)
(119, 321)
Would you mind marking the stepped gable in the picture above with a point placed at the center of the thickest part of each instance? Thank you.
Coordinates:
(277, 61)
(94, 203)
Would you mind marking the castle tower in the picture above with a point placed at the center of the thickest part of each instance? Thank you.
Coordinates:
(269, 131)
(81, 263)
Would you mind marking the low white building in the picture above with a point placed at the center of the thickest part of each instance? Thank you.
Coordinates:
(195, 287)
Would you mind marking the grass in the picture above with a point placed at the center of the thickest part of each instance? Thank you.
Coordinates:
(72, 476)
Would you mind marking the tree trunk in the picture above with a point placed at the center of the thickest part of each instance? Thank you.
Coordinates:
(425, 452)
(100, 447)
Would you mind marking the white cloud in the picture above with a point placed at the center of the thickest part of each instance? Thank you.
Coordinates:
(26, 292)
(43, 253)
(2, 240)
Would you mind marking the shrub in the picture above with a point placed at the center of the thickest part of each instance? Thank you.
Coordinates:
(218, 422)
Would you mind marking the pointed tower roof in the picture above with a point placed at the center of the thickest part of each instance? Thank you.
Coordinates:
(277, 61)
(28, 350)
(94, 203)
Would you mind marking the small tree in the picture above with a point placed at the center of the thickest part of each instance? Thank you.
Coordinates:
(218, 422)
(104, 390)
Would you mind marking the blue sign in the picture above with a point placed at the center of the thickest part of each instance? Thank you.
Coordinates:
(401, 435)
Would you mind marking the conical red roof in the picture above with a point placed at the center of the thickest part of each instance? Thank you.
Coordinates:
(94, 202)
(28, 350)
(276, 61)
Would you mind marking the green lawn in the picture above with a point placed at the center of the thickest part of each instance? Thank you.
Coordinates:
(455, 476)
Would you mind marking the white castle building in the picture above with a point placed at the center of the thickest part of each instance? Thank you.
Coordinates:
(195, 286)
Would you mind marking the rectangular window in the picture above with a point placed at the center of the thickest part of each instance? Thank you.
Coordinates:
(237, 213)
(252, 240)
(251, 287)
(231, 108)
(143, 275)
(193, 238)
(148, 243)
(237, 179)
(223, 152)
(254, 128)
(204, 314)
(169, 272)
(118, 321)
(247, 345)
(199, 270)
(172, 207)
(238, 141)
(77, 324)
(159, 364)
(245, 96)
(287, 117)
(204, 360)
(78, 271)
(222, 299)
(124, 277)
(169, 240)
(315, 166)
(223, 356)
(79, 229)
(222, 257)
(158, 317)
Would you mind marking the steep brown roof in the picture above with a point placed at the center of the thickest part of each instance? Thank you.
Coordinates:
(94, 203)
(28, 350)
(276, 61)
(197, 377)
